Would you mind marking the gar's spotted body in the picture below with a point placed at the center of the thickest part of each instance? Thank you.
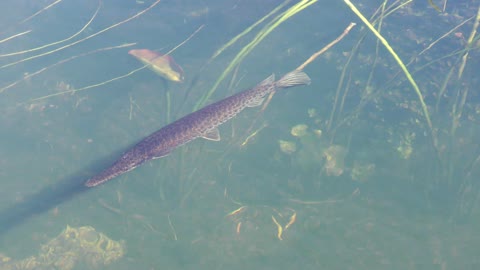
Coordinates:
(202, 123)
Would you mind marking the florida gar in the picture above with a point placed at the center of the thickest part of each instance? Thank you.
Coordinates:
(199, 124)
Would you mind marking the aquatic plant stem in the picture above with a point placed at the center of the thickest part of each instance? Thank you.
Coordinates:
(305, 64)
(186, 40)
(100, 83)
(250, 46)
(440, 38)
(56, 42)
(30, 75)
(458, 110)
(14, 36)
(430, 2)
(86, 38)
(89, 86)
(246, 31)
(443, 88)
(384, 12)
(42, 10)
(469, 43)
(401, 64)
(396, 8)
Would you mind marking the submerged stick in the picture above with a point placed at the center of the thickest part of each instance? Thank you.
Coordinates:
(305, 64)
(318, 53)
(324, 49)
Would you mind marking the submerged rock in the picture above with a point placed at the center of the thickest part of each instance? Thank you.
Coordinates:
(287, 147)
(299, 130)
(335, 160)
(83, 245)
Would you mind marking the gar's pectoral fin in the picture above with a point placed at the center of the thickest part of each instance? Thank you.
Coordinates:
(212, 135)
(255, 102)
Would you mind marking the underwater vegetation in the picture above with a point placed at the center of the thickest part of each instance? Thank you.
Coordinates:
(391, 120)
(430, 132)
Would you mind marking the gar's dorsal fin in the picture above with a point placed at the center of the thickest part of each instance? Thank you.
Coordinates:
(267, 81)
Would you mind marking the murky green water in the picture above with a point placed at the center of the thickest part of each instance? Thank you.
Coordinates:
(364, 184)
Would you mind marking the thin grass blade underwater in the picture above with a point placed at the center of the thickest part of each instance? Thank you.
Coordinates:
(199, 124)
(163, 65)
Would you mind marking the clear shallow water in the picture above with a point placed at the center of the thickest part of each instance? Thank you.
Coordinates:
(392, 201)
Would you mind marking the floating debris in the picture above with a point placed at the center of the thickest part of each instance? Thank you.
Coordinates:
(163, 65)
(279, 228)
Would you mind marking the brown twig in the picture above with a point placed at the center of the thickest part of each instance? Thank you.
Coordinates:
(302, 66)
(315, 55)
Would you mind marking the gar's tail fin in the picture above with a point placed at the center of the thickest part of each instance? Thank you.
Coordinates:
(293, 78)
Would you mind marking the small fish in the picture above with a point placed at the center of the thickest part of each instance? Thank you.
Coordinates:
(199, 124)
(163, 65)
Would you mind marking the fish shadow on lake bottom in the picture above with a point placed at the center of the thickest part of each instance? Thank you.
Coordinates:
(51, 196)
